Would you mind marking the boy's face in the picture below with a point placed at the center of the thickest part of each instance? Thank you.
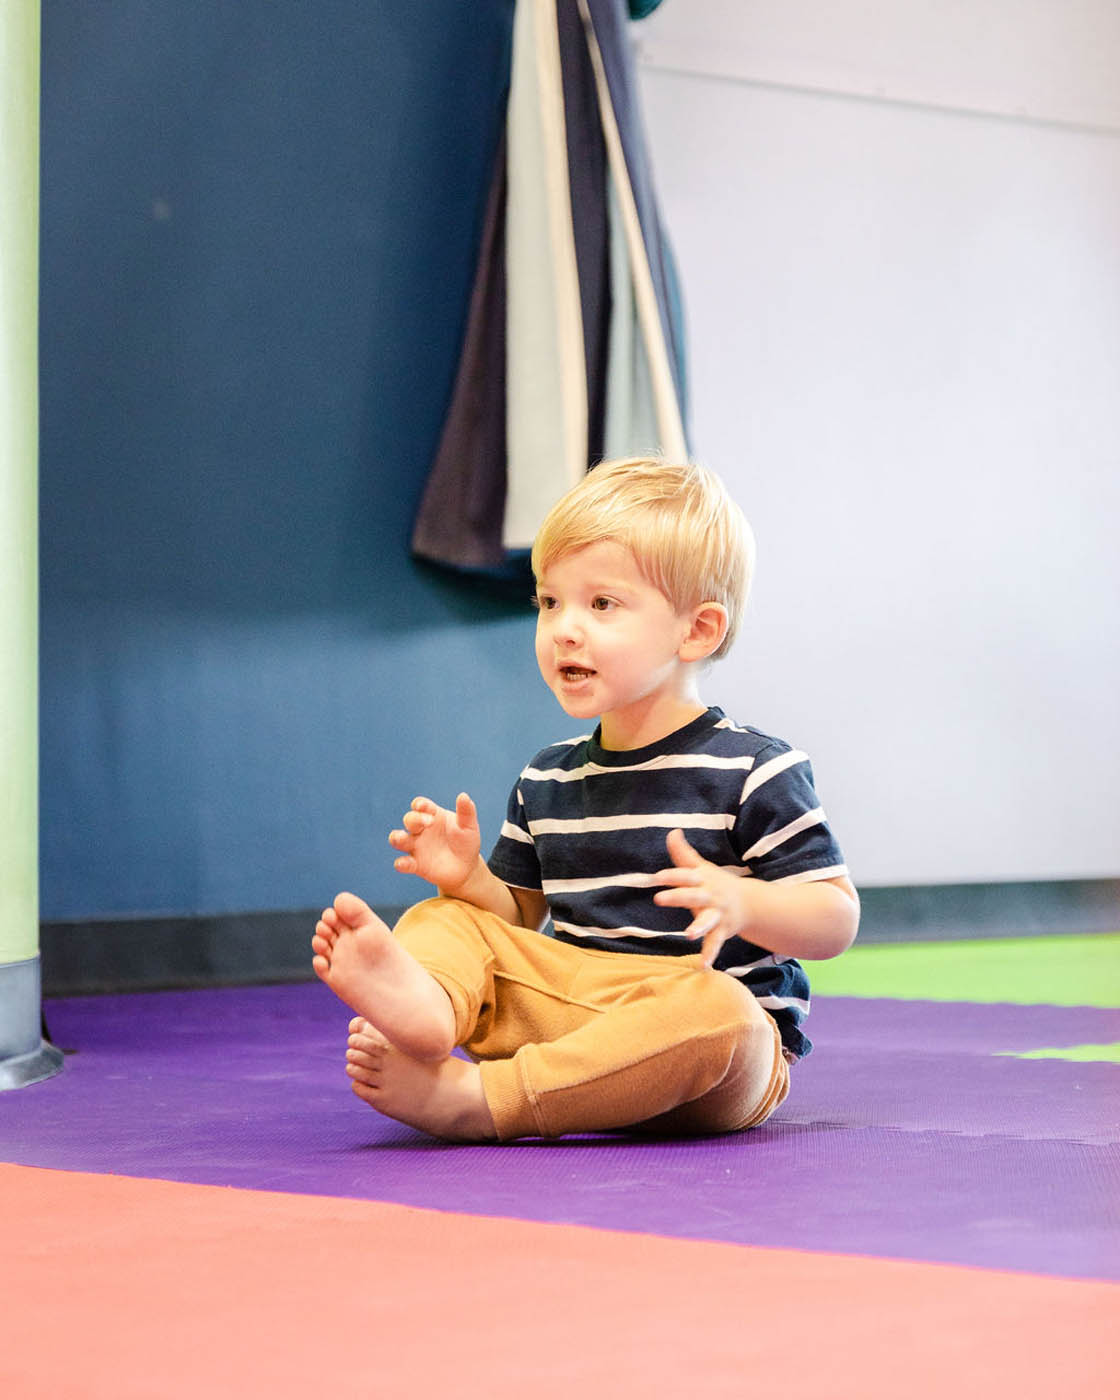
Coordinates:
(608, 641)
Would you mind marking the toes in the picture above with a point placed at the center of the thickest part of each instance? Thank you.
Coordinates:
(324, 937)
(360, 1026)
(366, 1047)
(365, 1093)
(352, 910)
(363, 1070)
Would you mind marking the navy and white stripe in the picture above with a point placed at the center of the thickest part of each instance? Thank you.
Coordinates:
(587, 827)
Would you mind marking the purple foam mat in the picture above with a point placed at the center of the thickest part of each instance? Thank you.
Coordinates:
(945, 1154)
(959, 1027)
(950, 1067)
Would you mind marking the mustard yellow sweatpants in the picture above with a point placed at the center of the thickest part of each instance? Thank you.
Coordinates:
(575, 1040)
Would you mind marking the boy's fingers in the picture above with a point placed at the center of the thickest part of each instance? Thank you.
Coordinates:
(707, 921)
(708, 925)
(687, 898)
(680, 851)
(678, 875)
(710, 949)
(465, 809)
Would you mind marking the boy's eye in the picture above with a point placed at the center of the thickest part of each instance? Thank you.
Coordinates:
(602, 604)
(543, 602)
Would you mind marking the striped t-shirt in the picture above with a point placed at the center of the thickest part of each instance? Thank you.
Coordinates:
(587, 827)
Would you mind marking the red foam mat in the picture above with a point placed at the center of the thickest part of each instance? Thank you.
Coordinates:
(119, 1287)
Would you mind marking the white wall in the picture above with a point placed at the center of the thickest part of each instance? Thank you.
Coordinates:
(898, 230)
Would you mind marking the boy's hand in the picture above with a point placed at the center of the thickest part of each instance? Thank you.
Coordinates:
(440, 846)
(717, 898)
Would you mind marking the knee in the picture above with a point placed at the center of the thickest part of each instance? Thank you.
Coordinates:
(727, 1018)
(715, 1013)
(418, 915)
(444, 914)
(721, 1000)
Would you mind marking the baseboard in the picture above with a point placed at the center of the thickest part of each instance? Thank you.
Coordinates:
(150, 954)
(145, 954)
(1011, 909)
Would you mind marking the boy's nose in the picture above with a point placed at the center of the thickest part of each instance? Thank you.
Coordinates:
(565, 625)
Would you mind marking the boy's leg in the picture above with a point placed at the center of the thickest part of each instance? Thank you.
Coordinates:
(358, 957)
(399, 1050)
(508, 986)
(442, 1097)
(686, 1050)
(573, 1040)
(744, 1099)
(425, 987)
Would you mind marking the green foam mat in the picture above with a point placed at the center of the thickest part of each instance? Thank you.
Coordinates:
(1070, 970)
(1078, 1054)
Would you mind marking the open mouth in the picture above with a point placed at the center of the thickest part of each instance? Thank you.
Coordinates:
(573, 674)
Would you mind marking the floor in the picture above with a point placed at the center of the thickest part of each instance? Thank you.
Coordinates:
(199, 1206)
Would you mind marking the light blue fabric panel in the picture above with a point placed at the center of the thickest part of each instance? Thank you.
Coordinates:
(631, 417)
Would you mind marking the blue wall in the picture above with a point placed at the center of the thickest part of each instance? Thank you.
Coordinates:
(259, 224)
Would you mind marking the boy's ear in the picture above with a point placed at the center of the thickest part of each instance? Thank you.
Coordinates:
(709, 627)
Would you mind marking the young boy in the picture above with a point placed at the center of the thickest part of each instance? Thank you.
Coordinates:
(667, 828)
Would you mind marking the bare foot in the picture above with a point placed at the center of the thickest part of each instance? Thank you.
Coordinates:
(361, 961)
(443, 1098)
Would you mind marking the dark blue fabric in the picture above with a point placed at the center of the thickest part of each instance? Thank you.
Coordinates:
(587, 180)
(608, 19)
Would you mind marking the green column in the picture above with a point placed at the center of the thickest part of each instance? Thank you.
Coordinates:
(24, 1056)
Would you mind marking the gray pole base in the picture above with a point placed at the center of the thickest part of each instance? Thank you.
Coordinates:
(20, 1070)
(25, 1057)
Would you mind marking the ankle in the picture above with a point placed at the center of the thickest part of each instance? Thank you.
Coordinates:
(471, 1120)
(430, 1030)
(429, 1044)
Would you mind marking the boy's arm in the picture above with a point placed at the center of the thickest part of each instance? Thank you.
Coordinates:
(484, 890)
(815, 919)
(444, 848)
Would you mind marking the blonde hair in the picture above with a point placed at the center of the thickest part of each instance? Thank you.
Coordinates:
(687, 536)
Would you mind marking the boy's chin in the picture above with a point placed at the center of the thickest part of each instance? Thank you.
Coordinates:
(576, 707)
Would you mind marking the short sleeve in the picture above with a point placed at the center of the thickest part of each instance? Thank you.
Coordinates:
(781, 832)
(514, 857)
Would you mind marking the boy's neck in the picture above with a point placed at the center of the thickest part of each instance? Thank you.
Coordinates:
(637, 728)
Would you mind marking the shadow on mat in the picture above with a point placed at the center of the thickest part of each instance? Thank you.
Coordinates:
(402, 1138)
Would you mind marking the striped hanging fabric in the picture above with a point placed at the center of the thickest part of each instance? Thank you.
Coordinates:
(573, 348)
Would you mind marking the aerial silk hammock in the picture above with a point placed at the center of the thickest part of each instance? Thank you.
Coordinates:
(573, 350)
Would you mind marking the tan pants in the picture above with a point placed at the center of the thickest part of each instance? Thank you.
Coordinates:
(575, 1040)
